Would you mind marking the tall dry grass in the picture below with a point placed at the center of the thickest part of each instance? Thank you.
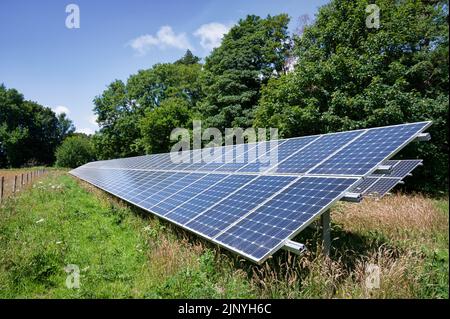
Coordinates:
(167, 257)
(408, 223)
(398, 274)
(398, 217)
(316, 276)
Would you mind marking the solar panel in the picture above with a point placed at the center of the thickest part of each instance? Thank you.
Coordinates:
(363, 185)
(316, 152)
(369, 150)
(282, 150)
(177, 198)
(223, 214)
(250, 205)
(196, 205)
(400, 168)
(380, 184)
(268, 226)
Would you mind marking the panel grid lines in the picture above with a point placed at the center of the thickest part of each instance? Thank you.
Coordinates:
(250, 206)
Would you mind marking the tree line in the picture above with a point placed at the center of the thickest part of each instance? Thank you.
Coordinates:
(29, 132)
(346, 76)
(336, 74)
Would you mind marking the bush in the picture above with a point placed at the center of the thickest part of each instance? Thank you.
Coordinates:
(75, 151)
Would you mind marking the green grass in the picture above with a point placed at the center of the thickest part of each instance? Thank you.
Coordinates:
(58, 223)
(123, 252)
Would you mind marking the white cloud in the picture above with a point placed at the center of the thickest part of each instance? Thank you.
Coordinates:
(86, 130)
(93, 120)
(211, 34)
(61, 109)
(164, 38)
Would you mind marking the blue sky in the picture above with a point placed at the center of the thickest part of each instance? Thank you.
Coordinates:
(66, 68)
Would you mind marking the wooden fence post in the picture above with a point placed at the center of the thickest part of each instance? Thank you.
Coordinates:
(2, 183)
(15, 184)
(21, 180)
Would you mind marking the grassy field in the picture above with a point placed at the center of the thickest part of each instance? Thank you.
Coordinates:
(123, 252)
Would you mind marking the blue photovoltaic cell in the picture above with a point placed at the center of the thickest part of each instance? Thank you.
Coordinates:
(187, 193)
(241, 156)
(207, 198)
(211, 165)
(165, 187)
(187, 181)
(117, 181)
(293, 145)
(268, 226)
(143, 185)
(315, 152)
(218, 217)
(382, 186)
(207, 159)
(196, 160)
(363, 185)
(284, 150)
(266, 155)
(370, 149)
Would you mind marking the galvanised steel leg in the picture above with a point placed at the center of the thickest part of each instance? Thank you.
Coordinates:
(326, 229)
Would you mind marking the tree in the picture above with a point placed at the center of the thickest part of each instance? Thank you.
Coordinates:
(29, 132)
(251, 53)
(188, 59)
(75, 151)
(158, 123)
(117, 116)
(349, 76)
(65, 126)
(121, 106)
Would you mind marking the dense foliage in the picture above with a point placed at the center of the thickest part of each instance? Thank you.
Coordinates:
(349, 76)
(127, 112)
(251, 53)
(75, 151)
(346, 76)
(29, 132)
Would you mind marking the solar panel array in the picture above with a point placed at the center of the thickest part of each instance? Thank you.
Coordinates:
(251, 205)
(380, 184)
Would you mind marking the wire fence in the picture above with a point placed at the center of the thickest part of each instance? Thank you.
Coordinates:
(12, 183)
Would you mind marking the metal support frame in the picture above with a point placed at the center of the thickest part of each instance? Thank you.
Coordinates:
(383, 169)
(423, 137)
(352, 197)
(294, 247)
(325, 221)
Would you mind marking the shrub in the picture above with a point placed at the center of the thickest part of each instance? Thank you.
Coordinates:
(75, 151)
